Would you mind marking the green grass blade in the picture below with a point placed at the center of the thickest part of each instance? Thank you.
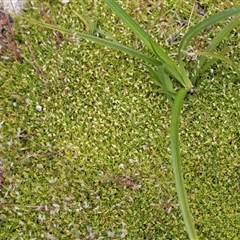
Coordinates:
(174, 71)
(143, 35)
(172, 68)
(223, 33)
(89, 23)
(213, 44)
(154, 76)
(209, 63)
(107, 43)
(106, 34)
(204, 24)
(166, 81)
(162, 80)
(186, 82)
(177, 169)
(218, 56)
(91, 26)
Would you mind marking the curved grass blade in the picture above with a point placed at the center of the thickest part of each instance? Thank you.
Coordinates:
(151, 44)
(143, 35)
(154, 76)
(174, 71)
(186, 82)
(171, 70)
(204, 24)
(90, 25)
(107, 43)
(106, 34)
(163, 81)
(209, 63)
(223, 33)
(197, 29)
(177, 168)
(167, 85)
(218, 56)
(213, 44)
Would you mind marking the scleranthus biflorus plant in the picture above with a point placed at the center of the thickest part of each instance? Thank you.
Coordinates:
(169, 74)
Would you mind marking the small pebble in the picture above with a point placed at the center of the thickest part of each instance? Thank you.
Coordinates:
(39, 108)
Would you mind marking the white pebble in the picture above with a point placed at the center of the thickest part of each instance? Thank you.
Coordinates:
(39, 108)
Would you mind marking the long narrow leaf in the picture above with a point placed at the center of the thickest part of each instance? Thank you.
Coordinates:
(223, 33)
(151, 44)
(114, 45)
(154, 76)
(212, 61)
(139, 31)
(90, 25)
(166, 82)
(174, 71)
(218, 56)
(213, 44)
(177, 169)
(204, 24)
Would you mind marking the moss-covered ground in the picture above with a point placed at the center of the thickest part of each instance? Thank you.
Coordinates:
(84, 134)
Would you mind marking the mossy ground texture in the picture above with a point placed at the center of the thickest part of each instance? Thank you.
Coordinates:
(84, 134)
